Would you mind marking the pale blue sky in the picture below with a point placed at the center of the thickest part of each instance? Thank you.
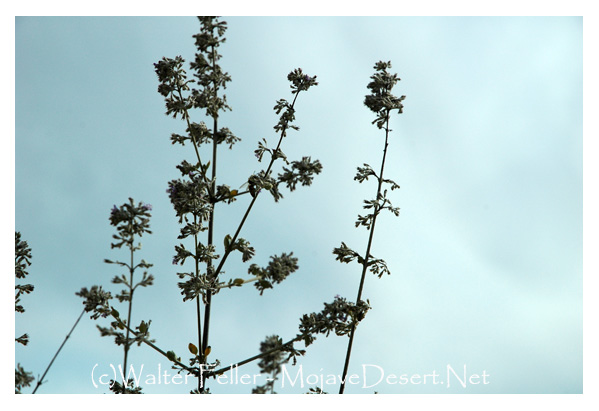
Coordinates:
(486, 256)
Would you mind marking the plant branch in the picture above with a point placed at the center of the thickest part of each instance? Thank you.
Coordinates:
(156, 348)
(250, 280)
(234, 238)
(366, 256)
(41, 380)
(254, 198)
(254, 358)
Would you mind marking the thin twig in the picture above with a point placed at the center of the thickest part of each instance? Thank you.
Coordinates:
(41, 380)
(228, 250)
(151, 345)
(366, 257)
(255, 357)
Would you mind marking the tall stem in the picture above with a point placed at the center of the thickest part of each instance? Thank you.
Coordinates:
(366, 256)
(221, 263)
(210, 222)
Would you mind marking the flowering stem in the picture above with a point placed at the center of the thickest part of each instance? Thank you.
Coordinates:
(367, 255)
(234, 238)
(197, 271)
(41, 380)
(247, 212)
(210, 221)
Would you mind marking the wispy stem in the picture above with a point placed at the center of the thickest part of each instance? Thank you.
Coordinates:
(254, 358)
(247, 212)
(41, 380)
(366, 256)
(157, 349)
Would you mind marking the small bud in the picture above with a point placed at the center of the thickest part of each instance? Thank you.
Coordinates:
(227, 241)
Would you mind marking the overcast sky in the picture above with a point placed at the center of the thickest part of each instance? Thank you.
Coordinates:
(486, 256)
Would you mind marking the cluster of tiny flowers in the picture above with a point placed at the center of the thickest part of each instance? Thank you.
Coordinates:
(171, 191)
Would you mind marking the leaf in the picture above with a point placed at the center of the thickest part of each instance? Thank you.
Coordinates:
(193, 349)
